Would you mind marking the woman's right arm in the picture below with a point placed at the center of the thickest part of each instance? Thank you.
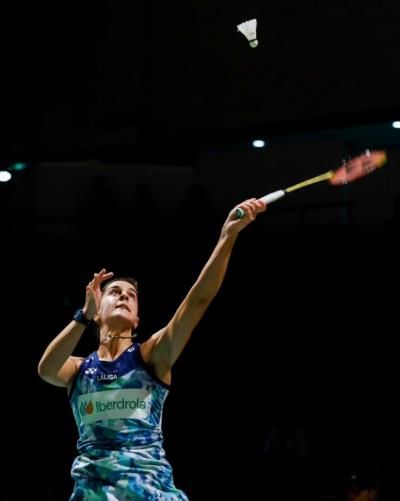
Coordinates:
(57, 366)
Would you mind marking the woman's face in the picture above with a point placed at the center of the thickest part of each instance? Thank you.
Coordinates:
(119, 303)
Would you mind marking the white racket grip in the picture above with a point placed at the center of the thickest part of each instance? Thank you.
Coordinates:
(271, 197)
(267, 199)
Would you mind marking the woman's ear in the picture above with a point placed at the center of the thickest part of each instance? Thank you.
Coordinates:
(135, 325)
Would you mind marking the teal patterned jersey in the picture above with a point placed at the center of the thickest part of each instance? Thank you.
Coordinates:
(118, 408)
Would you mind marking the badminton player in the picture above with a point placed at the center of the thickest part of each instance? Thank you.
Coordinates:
(117, 393)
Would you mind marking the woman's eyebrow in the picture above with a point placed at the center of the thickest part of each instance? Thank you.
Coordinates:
(131, 289)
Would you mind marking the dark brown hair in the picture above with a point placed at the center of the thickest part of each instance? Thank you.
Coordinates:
(130, 280)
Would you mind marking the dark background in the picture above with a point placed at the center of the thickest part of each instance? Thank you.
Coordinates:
(135, 124)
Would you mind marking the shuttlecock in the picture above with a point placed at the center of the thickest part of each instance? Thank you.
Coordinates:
(249, 30)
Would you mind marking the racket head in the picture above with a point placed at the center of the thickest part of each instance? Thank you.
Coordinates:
(358, 167)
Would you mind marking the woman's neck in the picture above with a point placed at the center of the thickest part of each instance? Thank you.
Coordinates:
(110, 351)
(113, 343)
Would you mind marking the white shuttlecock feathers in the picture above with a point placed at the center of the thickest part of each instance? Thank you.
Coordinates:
(249, 30)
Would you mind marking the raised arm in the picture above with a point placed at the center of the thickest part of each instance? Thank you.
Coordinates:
(57, 366)
(163, 348)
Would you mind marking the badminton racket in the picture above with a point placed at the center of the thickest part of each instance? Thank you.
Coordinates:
(350, 171)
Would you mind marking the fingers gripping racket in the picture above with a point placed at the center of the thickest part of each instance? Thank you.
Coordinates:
(355, 168)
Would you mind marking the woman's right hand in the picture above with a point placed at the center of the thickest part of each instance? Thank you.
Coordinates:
(251, 208)
(93, 293)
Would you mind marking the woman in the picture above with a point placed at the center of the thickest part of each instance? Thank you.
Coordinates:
(117, 393)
